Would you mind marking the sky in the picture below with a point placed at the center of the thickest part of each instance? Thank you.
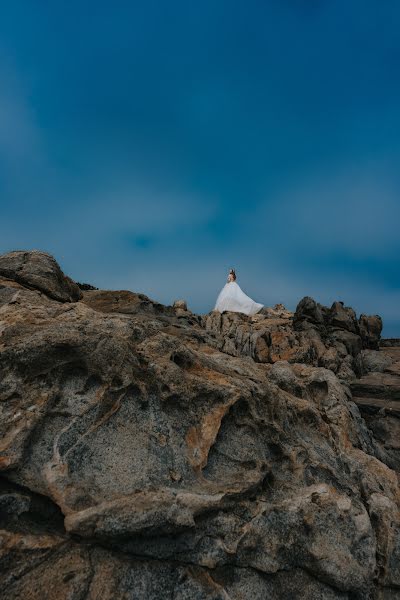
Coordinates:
(153, 145)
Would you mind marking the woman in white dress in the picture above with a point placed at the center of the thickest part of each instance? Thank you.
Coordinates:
(233, 299)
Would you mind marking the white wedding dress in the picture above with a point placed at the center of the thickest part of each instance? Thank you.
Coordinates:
(232, 298)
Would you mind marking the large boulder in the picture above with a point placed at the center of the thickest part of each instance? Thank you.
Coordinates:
(370, 330)
(343, 317)
(279, 311)
(308, 311)
(124, 302)
(180, 305)
(375, 361)
(39, 271)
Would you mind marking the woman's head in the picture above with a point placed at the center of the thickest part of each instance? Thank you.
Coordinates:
(232, 274)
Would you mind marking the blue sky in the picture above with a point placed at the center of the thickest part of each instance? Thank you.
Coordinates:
(152, 145)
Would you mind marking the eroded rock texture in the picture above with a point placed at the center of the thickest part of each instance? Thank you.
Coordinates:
(149, 453)
(326, 337)
(39, 271)
(377, 394)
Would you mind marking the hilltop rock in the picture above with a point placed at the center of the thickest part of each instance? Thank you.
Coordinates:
(308, 311)
(370, 330)
(147, 454)
(39, 271)
(279, 311)
(123, 302)
(86, 286)
(180, 304)
(326, 337)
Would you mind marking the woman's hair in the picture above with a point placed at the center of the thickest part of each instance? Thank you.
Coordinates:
(232, 272)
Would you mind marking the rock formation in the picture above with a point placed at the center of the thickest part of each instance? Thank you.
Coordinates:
(331, 338)
(147, 452)
(377, 394)
(39, 271)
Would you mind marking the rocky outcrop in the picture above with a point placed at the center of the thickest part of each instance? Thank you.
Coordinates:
(377, 394)
(180, 304)
(370, 330)
(149, 453)
(332, 338)
(86, 286)
(39, 271)
(124, 302)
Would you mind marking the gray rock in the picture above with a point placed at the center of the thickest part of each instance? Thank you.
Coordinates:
(279, 311)
(181, 304)
(314, 335)
(343, 317)
(370, 330)
(188, 458)
(374, 360)
(124, 302)
(308, 311)
(38, 270)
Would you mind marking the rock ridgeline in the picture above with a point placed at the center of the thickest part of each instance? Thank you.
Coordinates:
(148, 452)
(326, 337)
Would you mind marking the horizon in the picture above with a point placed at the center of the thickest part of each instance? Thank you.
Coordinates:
(154, 147)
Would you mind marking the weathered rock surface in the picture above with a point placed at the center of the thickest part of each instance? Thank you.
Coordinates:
(39, 271)
(332, 338)
(377, 394)
(149, 453)
(180, 304)
(123, 302)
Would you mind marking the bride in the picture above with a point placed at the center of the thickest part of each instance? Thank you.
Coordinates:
(233, 299)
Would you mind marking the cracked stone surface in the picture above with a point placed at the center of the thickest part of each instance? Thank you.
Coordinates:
(377, 394)
(147, 452)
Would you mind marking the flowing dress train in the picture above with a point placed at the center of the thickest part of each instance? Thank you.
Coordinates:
(233, 299)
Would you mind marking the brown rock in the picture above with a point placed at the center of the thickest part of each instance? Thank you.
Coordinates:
(124, 302)
(343, 317)
(370, 330)
(38, 270)
(181, 304)
(308, 312)
(148, 455)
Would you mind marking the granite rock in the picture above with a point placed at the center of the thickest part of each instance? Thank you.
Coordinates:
(146, 455)
(39, 271)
